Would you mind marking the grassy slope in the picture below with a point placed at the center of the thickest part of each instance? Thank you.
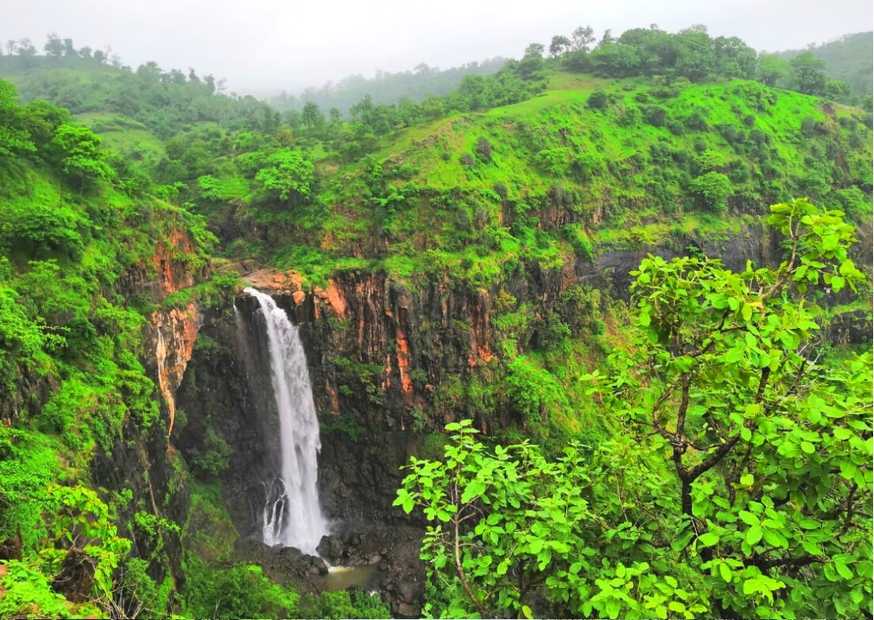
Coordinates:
(125, 136)
(448, 215)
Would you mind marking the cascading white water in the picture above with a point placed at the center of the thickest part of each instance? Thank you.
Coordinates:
(292, 515)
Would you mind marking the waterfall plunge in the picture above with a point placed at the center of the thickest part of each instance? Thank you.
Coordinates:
(292, 515)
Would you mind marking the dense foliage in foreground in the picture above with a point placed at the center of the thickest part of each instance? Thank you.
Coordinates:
(735, 480)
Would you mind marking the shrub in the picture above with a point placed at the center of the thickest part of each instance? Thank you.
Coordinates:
(580, 241)
(483, 149)
(288, 176)
(598, 100)
(696, 121)
(214, 457)
(712, 190)
(241, 591)
(342, 604)
(76, 149)
(533, 391)
(655, 115)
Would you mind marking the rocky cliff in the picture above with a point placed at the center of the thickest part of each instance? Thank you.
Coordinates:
(380, 354)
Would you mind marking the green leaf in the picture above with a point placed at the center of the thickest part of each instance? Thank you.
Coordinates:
(725, 572)
(474, 489)
(775, 538)
(753, 535)
(747, 480)
(404, 500)
(808, 524)
(748, 517)
(842, 434)
(677, 606)
(848, 470)
(526, 611)
(842, 568)
(708, 539)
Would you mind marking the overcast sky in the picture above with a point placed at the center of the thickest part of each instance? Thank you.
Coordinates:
(261, 46)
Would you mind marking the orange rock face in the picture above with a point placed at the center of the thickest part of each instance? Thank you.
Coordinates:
(173, 331)
(334, 296)
(272, 280)
(175, 335)
(403, 358)
(480, 352)
(172, 274)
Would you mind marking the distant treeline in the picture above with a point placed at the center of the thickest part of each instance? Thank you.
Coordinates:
(848, 58)
(88, 80)
(168, 101)
(693, 54)
(840, 70)
(387, 87)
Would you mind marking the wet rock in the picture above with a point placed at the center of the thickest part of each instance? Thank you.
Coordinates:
(284, 564)
(406, 610)
(331, 548)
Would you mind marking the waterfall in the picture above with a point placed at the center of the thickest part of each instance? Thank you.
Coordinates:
(292, 516)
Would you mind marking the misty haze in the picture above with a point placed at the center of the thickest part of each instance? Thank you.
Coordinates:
(458, 310)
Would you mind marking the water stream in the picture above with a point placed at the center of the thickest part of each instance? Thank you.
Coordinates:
(292, 516)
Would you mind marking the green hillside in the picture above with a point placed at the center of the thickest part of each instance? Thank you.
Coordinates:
(847, 58)
(387, 87)
(588, 163)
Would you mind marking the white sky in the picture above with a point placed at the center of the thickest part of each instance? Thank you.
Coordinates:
(264, 46)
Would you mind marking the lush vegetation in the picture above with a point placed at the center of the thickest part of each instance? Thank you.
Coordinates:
(847, 59)
(386, 87)
(702, 449)
(750, 496)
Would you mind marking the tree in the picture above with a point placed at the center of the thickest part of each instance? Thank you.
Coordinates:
(76, 149)
(734, 58)
(696, 57)
(15, 140)
(772, 69)
(54, 47)
(531, 62)
(808, 74)
(582, 38)
(559, 45)
(25, 50)
(311, 117)
(836, 89)
(737, 484)
(288, 176)
(712, 190)
(494, 522)
(615, 60)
